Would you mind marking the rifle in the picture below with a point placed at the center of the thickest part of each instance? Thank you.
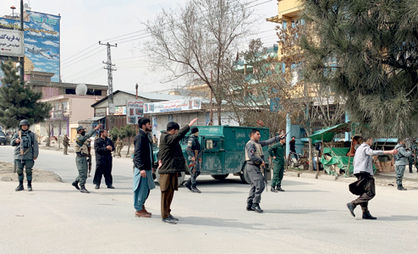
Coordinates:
(265, 176)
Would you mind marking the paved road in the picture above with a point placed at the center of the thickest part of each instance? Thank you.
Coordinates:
(310, 217)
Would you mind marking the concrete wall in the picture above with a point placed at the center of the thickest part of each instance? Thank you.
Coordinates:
(80, 108)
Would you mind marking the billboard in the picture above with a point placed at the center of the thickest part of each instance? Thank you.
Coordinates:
(11, 43)
(41, 40)
(172, 106)
(134, 111)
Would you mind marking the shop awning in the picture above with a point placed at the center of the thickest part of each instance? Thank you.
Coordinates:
(328, 134)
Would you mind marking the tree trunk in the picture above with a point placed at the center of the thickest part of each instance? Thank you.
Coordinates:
(310, 155)
(219, 110)
(129, 146)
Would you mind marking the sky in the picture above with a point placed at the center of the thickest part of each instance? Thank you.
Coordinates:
(86, 22)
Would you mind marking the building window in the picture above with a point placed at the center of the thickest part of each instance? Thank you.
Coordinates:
(69, 91)
(284, 25)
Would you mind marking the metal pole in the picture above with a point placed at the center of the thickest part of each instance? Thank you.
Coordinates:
(22, 59)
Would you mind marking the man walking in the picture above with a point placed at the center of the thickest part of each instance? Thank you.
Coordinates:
(81, 151)
(195, 157)
(363, 170)
(254, 159)
(103, 147)
(277, 153)
(66, 144)
(26, 152)
(172, 163)
(401, 160)
(143, 161)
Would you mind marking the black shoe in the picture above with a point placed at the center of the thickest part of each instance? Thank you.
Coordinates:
(401, 188)
(256, 207)
(83, 189)
(368, 216)
(169, 220)
(97, 187)
(188, 186)
(250, 207)
(75, 184)
(195, 190)
(278, 188)
(110, 187)
(273, 189)
(29, 186)
(20, 187)
(172, 217)
(351, 208)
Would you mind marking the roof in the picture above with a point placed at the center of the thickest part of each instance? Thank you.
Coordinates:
(156, 97)
(66, 85)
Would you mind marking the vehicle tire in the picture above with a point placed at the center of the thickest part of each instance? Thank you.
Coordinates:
(180, 178)
(220, 177)
(244, 176)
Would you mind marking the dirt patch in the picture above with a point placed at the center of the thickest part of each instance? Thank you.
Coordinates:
(38, 175)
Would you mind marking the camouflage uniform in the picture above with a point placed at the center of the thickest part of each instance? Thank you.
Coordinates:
(81, 150)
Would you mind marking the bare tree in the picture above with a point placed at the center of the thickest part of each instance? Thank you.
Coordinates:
(199, 41)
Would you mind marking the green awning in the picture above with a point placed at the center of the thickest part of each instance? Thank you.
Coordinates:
(328, 134)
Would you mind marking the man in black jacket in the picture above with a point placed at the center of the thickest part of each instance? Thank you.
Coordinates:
(172, 163)
(103, 147)
(143, 161)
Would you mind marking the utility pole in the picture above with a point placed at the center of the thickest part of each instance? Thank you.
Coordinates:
(22, 59)
(109, 67)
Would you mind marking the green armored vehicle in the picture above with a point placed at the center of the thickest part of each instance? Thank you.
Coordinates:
(222, 150)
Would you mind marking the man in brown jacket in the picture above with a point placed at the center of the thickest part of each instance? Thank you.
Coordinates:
(172, 163)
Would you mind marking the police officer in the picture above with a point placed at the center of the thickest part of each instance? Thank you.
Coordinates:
(81, 151)
(277, 153)
(401, 160)
(254, 159)
(66, 144)
(119, 146)
(26, 152)
(195, 157)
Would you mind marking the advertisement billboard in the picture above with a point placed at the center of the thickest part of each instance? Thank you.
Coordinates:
(171, 106)
(11, 43)
(41, 41)
(134, 110)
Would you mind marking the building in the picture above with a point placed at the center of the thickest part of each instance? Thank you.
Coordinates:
(68, 108)
(121, 99)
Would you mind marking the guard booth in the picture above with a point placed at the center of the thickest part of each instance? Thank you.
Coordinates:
(223, 150)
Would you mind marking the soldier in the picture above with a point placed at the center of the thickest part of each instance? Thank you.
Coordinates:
(277, 153)
(254, 159)
(81, 151)
(119, 146)
(66, 144)
(195, 157)
(26, 152)
(401, 160)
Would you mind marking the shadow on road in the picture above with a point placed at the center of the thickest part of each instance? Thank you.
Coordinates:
(298, 211)
(399, 218)
(218, 222)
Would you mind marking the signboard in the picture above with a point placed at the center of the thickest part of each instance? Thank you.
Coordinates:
(120, 111)
(11, 43)
(134, 111)
(172, 106)
(41, 41)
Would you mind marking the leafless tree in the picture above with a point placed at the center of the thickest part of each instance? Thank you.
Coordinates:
(199, 41)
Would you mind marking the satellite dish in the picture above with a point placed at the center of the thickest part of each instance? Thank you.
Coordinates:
(81, 89)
